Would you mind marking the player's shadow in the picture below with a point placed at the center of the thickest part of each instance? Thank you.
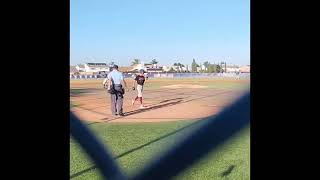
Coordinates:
(139, 147)
(167, 100)
(145, 109)
(80, 91)
(160, 105)
(152, 108)
(135, 111)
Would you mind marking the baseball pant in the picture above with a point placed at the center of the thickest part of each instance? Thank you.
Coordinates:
(117, 101)
(139, 89)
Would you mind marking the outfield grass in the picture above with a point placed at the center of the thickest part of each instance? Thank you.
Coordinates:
(74, 105)
(135, 144)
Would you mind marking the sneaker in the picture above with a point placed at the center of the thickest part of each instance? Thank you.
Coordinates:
(142, 107)
(132, 102)
(120, 114)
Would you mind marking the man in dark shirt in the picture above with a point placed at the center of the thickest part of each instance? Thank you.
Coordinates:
(139, 82)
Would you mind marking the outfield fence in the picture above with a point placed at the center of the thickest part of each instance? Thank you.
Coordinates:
(215, 131)
(199, 75)
(174, 75)
(87, 76)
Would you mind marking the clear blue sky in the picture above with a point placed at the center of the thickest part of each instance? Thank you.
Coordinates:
(167, 30)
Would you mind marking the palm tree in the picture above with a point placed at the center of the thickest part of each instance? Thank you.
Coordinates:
(135, 61)
(172, 70)
(206, 65)
(194, 65)
(219, 68)
(179, 65)
(154, 61)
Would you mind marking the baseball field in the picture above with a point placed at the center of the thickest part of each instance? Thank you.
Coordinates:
(174, 107)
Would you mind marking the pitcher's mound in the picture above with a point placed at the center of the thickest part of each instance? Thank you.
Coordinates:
(186, 86)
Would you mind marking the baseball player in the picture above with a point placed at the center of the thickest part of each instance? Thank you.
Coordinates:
(138, 84)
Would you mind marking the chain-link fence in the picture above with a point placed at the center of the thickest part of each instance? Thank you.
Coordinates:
(214, 132)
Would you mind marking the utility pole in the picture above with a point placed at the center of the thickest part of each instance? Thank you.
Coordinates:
(225, 66)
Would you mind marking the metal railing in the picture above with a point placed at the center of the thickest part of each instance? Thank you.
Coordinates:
(214, 132)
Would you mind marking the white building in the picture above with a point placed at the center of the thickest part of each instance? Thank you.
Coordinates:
(233, 69)
(166, 68)
(155, 70)
(176, 68)
(73, 70)
(137, 67)
(96, 67)
(147, 67)
(80, 68)
(203, 67)
(179, 69)
(245, 69)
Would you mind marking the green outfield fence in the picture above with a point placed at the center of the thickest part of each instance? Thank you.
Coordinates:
(215, 131)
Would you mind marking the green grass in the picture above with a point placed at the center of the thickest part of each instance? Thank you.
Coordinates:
(228, 85)
(72, 104)
(135, 144)
(77, 91)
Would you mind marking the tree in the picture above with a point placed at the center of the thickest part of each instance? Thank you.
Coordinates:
(135, 61)
(212, 68)
(194, 66)
(172, 70)
(223, 66)
(154, 61)
(111, 65)
(219, 69)
(215, 70)
(206, 65)
(179, 65)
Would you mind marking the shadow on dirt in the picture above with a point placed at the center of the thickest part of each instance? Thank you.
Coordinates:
(80, 91)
